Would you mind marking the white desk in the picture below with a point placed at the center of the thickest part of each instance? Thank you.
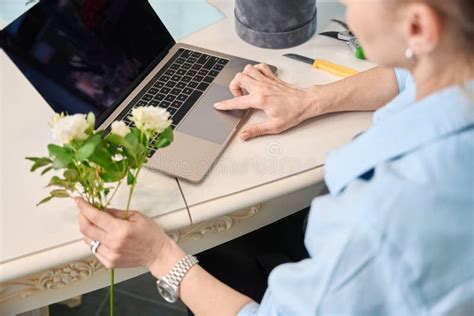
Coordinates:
(42, 257)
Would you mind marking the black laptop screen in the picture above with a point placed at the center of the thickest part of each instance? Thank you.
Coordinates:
(86, 55)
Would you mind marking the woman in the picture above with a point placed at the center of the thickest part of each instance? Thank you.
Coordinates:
(395, 234)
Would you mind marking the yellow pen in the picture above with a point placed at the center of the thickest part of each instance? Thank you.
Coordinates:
(327, 66)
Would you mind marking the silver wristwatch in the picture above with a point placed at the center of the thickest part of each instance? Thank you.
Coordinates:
(169, 284)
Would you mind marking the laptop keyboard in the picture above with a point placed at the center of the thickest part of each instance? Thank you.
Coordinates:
(178, 85)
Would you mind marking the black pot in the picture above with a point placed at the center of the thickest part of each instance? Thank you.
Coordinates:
(275, 23)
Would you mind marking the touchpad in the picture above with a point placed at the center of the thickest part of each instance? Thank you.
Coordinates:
(203, 121)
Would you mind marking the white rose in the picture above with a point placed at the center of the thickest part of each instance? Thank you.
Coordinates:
(68, 128)
(120, 128)
(56, 117)
(151, 118)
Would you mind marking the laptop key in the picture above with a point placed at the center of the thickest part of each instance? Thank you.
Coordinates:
(172, 110)
(196, 54)
(170, 72)
(202, 72)
(193, 84)
(186, 66)
(174, 66)
(218, 67)
(180, 60)
(154, 103)
(198, 78)
(182, 97)
(222, 61)
(186, 53)
(191, 73)
(164, 78)
(176, 91)
(170, 84)
(170, 98)
(176, 78)
(158, 84)
(202, 86)
(186, 79)
(176, 104)
(203, 59)
(208, 79)
(147, 97)
(196, 67)
(165, 90)
(187, 91)
(165, 104)
(213, 73)
(178, 116)
(141, 103)
(181, 85)
(159, 97)
(181, 72)
(192, 60)
(153, 91)
(211, 62)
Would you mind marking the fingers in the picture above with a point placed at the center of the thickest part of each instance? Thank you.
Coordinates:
(258, 129)
(102, 252)
(240, 82)
(254, 73)
(265, 69)
(89, 229)
(100, 219)
(240, 103)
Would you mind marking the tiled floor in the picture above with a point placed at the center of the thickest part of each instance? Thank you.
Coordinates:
(137, 297)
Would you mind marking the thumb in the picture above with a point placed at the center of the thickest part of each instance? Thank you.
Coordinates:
(258, 129)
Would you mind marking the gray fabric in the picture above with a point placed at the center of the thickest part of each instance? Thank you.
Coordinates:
(275, 23)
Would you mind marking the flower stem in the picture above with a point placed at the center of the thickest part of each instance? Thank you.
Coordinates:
(113, 194)
(130, 193)
(111, 299)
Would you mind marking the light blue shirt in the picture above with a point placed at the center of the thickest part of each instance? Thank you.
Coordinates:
(395, 236)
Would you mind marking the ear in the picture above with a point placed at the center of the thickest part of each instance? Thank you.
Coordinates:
(422, 28)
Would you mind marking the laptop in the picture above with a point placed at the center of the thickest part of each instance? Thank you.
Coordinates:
(108, 57)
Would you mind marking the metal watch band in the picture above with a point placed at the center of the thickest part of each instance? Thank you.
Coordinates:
(177, 273)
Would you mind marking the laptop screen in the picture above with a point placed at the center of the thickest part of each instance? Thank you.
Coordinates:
(86, 55)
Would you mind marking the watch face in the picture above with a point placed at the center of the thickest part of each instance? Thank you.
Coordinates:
(166, 291)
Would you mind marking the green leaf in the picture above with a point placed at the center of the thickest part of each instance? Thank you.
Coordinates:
(60, 193)
(46, 199)
(164, 139)
(71, 174)
(34, 159)
(129, 150)
(130, 178)
(116, 174)
(119, 141)
(90, 145)
(56, 181)
(46, 170)
(102, 157)
(40, 162)
(62, 156)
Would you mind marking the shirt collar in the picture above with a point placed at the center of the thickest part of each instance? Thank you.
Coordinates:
(408, 128)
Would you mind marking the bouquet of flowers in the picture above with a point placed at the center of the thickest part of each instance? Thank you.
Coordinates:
(93, 164)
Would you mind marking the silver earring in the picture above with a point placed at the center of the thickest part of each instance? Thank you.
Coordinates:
(410, 55)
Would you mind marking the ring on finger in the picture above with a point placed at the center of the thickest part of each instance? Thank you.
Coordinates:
(94, 245)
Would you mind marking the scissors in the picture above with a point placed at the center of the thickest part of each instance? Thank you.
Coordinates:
(348, 37)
